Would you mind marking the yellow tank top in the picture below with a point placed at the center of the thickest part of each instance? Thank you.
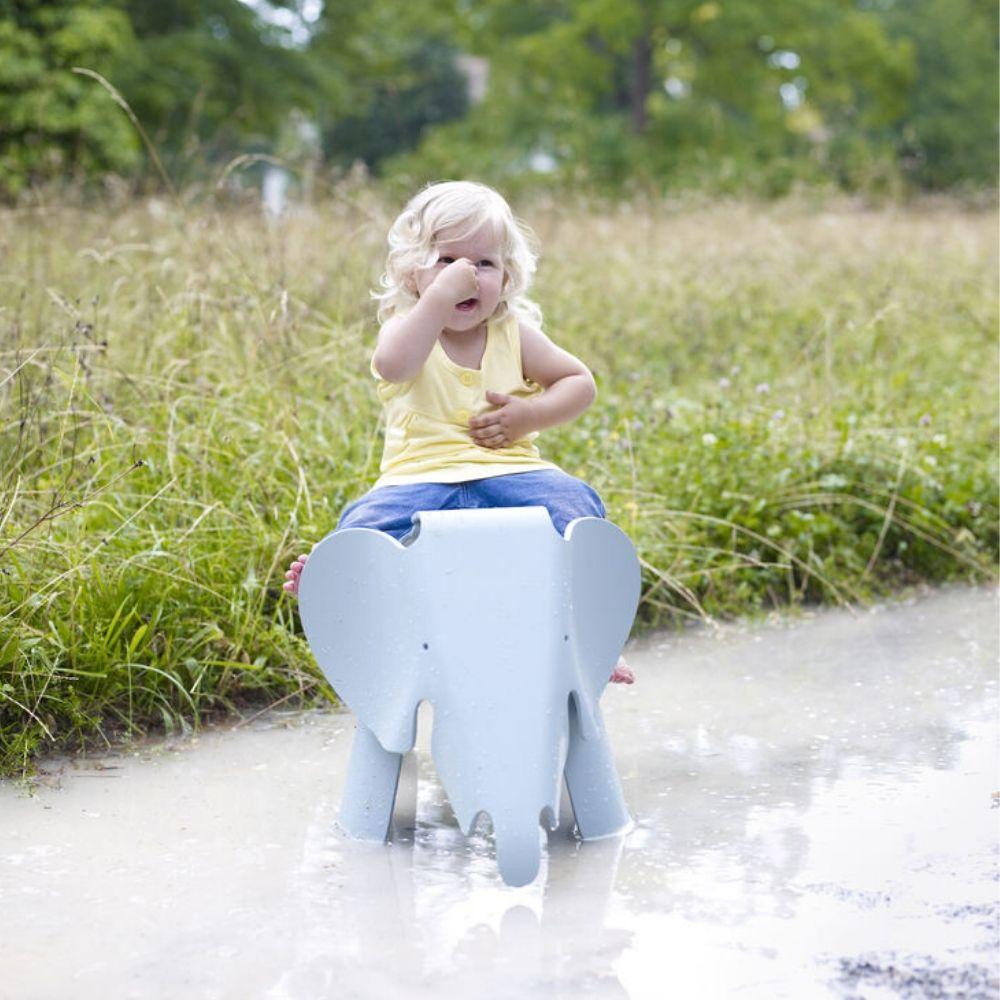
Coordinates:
(427, 436)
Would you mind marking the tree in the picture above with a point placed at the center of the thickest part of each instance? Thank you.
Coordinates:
(647, 86)
(428, 90)
(396, 75)
(949, 131)
(54, 123)
(210, 79)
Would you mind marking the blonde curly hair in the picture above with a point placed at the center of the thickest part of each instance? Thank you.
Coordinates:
(461, 208)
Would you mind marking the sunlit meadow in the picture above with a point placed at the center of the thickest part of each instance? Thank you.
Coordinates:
(796, 404)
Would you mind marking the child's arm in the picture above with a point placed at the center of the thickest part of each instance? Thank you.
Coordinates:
(404, 342)
(569, 386)
(569, 390)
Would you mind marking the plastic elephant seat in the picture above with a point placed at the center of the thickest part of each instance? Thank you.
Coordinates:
(511, 632)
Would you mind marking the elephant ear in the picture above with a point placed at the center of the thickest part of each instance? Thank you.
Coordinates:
(604, 582)
(363, 639)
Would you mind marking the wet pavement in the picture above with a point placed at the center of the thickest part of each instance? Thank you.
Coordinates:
(816, 807)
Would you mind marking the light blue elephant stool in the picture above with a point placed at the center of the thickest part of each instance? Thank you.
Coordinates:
(511, 631)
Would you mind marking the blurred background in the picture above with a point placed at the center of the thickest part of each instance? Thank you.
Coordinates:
(886, 97)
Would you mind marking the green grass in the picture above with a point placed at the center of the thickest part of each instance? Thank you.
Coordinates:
(796, 403)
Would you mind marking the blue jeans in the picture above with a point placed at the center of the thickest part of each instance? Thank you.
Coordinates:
(391, 508)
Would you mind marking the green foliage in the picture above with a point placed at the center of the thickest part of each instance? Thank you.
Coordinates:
(948, 134)
(609, 95)
(653, 93)
(428, 89)
(793, 406)
(208, 80)
(54, 123)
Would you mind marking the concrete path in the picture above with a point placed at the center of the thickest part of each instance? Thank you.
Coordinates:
(816, 806)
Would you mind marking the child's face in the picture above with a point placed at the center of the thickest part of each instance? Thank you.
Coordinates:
(481, 249)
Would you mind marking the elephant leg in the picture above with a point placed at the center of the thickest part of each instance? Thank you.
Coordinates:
(592, 781)
(370, 790)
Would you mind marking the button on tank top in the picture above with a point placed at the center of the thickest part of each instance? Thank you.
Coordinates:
(427, 437)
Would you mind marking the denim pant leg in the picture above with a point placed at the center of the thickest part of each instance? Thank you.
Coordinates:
(565, 496)
(391, 508)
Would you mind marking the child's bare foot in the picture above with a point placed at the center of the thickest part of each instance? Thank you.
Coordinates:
(292, 575)
(622, 673)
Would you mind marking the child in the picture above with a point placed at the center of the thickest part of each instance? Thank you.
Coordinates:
(465, 377)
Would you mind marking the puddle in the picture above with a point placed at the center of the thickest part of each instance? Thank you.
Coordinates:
(816, 816)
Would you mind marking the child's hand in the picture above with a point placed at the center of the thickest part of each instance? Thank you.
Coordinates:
(504, 426)
(456, 282)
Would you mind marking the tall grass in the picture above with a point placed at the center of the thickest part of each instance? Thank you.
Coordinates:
(795, 404)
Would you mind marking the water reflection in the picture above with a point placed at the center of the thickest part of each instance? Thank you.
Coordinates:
(434, 899)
